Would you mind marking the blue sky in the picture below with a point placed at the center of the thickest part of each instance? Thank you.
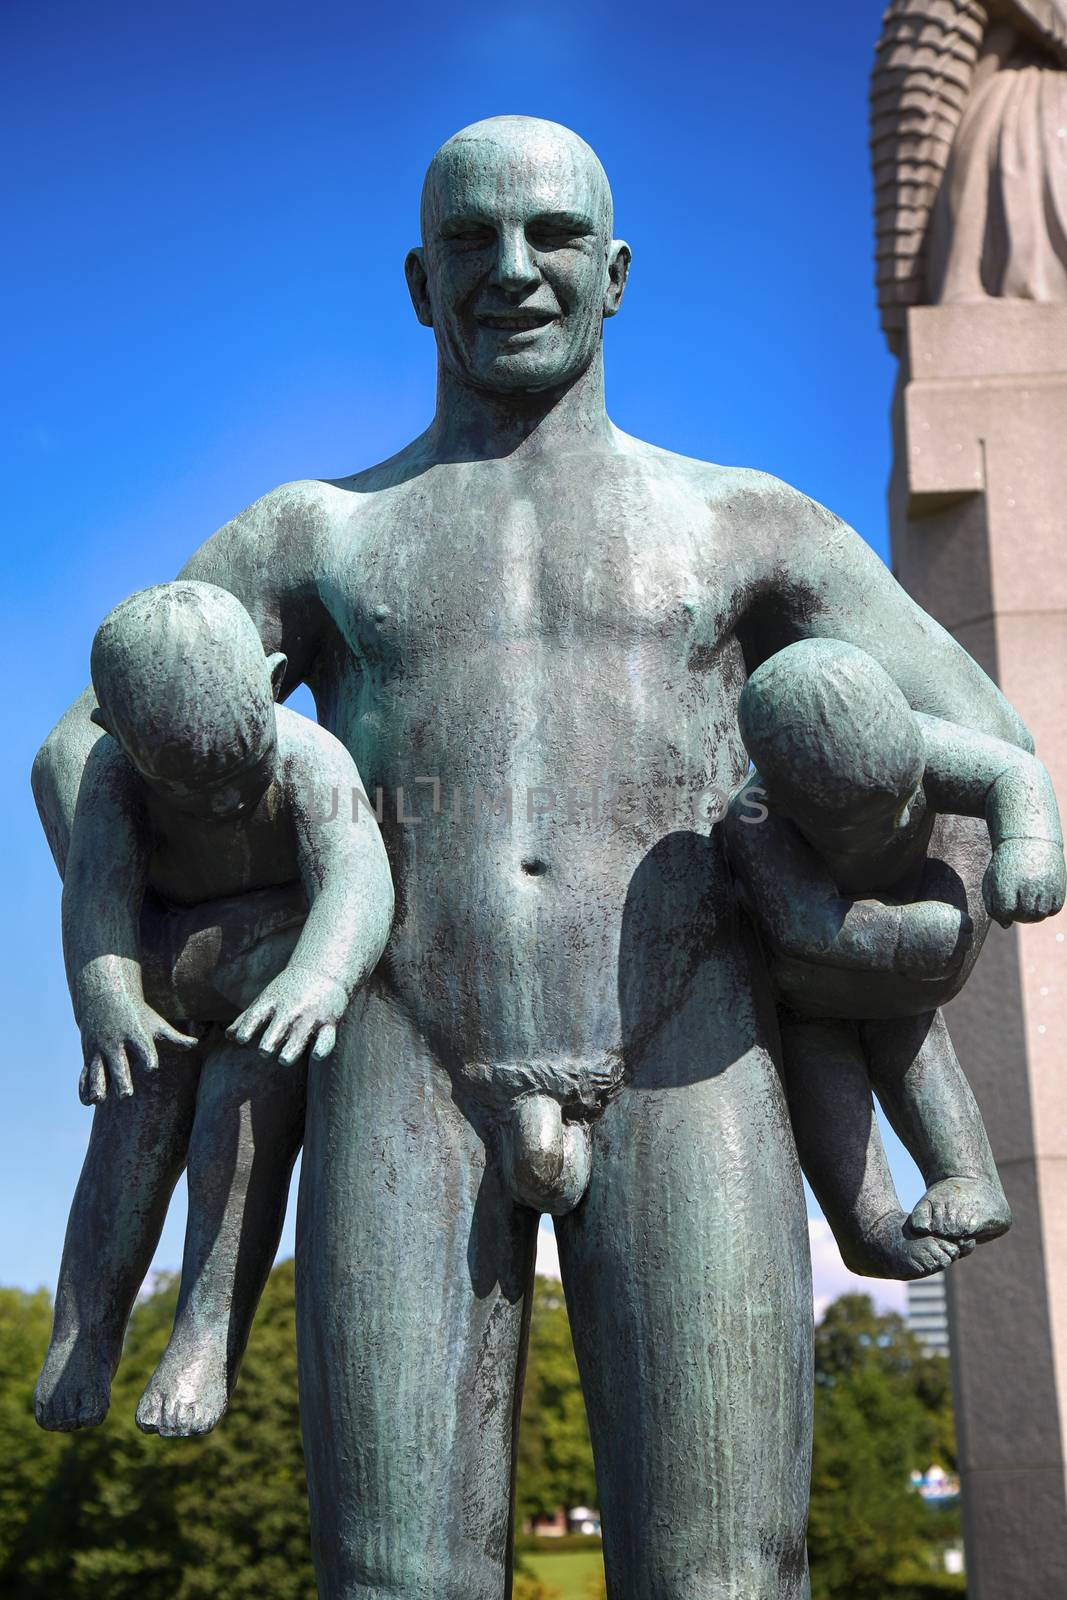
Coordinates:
(207, 208)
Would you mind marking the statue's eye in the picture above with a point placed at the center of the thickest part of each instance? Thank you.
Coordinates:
(549, 238)
(469, 235)
(556, 233)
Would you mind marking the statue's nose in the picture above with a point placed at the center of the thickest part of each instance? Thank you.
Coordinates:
(515, 267)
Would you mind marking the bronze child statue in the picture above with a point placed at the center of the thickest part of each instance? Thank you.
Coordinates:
(844, 888)
(205, 794)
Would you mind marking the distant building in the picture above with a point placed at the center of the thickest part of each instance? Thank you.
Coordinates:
(927, 1314)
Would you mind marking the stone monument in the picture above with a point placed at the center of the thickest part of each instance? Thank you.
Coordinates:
(530, 632)
(969, 145)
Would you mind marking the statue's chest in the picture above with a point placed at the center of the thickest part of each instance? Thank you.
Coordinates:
(516, 559)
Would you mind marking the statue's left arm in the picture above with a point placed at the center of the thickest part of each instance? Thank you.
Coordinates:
(813, 577)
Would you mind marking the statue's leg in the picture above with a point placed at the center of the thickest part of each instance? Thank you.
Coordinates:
(829, 1087)
(413, 1272)
(688, 1279)
(246, 1133)
(918, 1078)
(136, 1153)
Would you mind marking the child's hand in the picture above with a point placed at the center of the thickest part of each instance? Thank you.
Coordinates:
(1025, 881)
(120, 1032)
(297, 1007)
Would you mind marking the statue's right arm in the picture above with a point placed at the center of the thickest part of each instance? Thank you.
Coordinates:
(267, 557)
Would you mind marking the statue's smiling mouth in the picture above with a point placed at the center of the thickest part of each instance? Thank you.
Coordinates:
(517, 321)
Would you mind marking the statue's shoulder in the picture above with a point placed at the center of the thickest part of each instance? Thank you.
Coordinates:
(308, 504)
(300, 509)
(273, 546)
(395, 470)
(308, 750)
(743, 492)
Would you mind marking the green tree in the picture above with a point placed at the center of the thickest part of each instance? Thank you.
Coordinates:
(882, 1409)
(111, 1515)
(125, 1517)
(555, 1460)
(28, 1457)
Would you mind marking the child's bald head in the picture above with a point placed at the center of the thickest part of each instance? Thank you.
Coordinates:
(830, 733)
(184, 686)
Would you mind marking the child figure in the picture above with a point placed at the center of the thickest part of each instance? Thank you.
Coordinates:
(829, 839)
(204, 796)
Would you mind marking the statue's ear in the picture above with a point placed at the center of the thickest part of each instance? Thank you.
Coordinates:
(97, 716)
(418, 289)
(277, 664)
(618, 272)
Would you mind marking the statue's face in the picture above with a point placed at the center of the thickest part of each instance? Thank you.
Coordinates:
(867, 825)
(222, 790)
(518, 268)
(209, 760)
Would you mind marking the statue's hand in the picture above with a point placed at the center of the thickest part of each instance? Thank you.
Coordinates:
(298, 1008)
(119, 1031)
(934, 939)
(1025, 881)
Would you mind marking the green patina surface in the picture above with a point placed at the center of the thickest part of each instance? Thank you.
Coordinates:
(530, 632)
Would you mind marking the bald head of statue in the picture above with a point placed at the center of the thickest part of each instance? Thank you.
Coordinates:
(517, 268)
(184, 687)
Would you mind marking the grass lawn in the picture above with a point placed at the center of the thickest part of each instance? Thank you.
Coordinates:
(571, 1572)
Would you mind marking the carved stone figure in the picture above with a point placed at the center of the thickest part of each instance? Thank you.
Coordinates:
(203, 795)
(969, 147)
(530, 631)
(847, 894)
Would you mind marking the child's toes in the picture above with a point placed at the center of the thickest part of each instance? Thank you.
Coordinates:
(922, 1217)
(938, 1253)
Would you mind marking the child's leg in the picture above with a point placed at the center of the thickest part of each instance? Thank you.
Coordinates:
(136, 1152)
(918, 1078)
(841, 1152)
(248, 1128)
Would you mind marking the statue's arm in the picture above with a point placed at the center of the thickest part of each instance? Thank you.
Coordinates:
(343, 864)
(106, 873)
(266, 557)
(346, 877)
(975, 775)
(107, 870)
(793, 898)
(57, 774)
(813, 577)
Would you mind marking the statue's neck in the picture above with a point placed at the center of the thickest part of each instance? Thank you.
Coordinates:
(478, 424)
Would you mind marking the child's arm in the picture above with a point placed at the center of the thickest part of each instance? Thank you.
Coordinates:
(793, 898)
(975, 775)
(102, 897)
(346, 877)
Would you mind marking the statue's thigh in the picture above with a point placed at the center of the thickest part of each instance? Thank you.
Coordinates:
(413, 1273)
(688, 1279)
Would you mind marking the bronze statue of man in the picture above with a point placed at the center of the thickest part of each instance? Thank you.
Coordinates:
(531, 631)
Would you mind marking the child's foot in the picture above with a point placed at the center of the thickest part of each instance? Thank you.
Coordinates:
(188, 1392)
(963, 1208)
(891, 1249)
(74, 1389)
